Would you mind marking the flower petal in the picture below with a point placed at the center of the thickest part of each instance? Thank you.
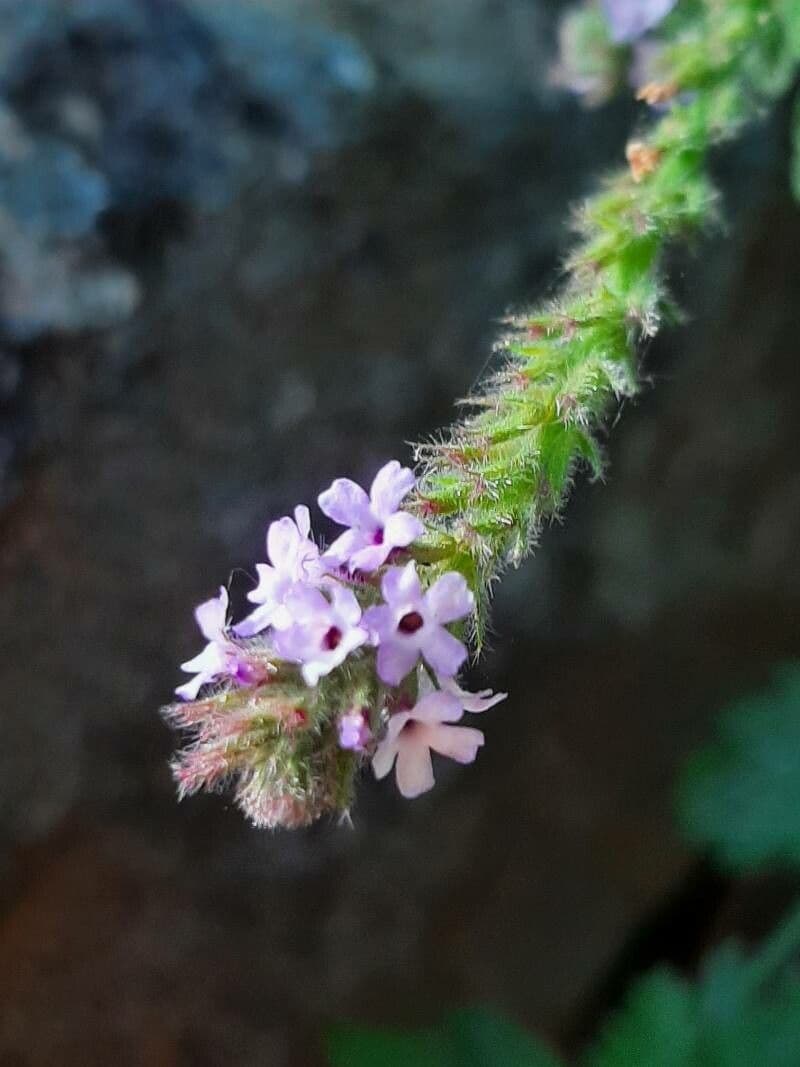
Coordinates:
(345, 605)
(342, 549)
(210, 661)
(443, 652)
(302, 518)
(355, 637)
(306, 604)
(346, 503)
(291, 643)
(390, 485)
(472, 702)
(395, 661)
(401, 529)
(449, 598)
(256, 621)
(369, 558)
(190, 689)
(401, 584)
(283, 539)
(269, 581)
(314, 670)
(436, 707)
(211, 615)
(460, 743)
(414, 769)
(380, 622)
(384, 757)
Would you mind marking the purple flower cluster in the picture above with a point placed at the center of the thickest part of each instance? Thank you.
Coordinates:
(363, 601)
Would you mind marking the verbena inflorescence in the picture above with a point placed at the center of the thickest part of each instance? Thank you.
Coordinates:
(352, 653)
(345, 656)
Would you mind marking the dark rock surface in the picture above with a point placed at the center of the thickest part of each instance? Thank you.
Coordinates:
(243, 253)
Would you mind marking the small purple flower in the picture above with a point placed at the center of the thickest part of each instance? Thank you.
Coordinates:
(629, 20)
(293, 558)
(323, 631)
(411, 623)
(376, 526)
(354, 731)
(220, 656)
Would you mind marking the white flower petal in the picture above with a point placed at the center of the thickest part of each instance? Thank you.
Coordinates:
(346, 503)
(209, 661)
(302, 518)
(283, 539)
(211, 615)
(414, 771)
(370, 557)
(401, 529)
(437, 707)
(343, 548)
(390, 485)
(443, 652)
(384, 757)
(472, 702)
(401, 585)
(449, 598)
(395, 661)
(460, 743)
(345, 605)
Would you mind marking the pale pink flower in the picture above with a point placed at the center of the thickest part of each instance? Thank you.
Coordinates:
(376, 526)
(411, 735)
(412, 623)
(294, 558)
(323, 629)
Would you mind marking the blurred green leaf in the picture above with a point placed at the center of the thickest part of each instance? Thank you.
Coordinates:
(469, 1038)
(483, 1039)
(726, 1020)
(356, 1047)
(741, 795)
(657, 1027)
(788, 13)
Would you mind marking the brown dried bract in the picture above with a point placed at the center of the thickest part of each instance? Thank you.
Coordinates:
(642, 159)
(654, 93)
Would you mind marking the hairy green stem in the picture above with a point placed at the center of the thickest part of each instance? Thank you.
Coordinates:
(491, 481)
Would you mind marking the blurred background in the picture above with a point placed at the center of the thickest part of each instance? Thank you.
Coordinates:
(248, 247)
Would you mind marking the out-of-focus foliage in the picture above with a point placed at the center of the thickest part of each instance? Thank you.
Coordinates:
(742, 1010)
(788, 11)
(741, 796)
(475, 1038)
(724, 1020)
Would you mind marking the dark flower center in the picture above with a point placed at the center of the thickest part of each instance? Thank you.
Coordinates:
(377, 537)
(410, 622)
(331, 639)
